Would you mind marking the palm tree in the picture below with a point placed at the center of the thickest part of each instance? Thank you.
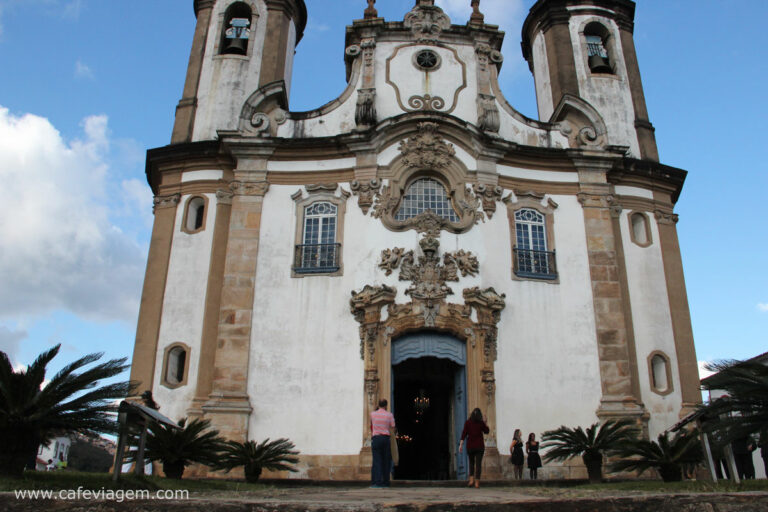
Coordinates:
(32, 412)
(744, 408)
(178, 448)
(273, 455)
(667, 456)
(592, 444)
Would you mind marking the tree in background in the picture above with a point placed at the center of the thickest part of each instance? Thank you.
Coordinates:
(591, 445)
(32, 412)
(83, 456)
(278, 455)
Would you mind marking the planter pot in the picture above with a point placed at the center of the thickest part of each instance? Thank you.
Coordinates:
(671, 473)
(594, 465)
(173, 469)
(252, 472)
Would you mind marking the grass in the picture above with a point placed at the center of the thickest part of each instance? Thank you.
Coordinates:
(56, 480)
(645, 487)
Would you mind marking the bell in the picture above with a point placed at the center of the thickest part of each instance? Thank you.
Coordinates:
(599, 64)
(236, 46)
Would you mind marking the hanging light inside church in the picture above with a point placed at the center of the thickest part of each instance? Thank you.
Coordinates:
(421, 404)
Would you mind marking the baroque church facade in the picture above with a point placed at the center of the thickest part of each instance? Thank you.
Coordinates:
(415, 239)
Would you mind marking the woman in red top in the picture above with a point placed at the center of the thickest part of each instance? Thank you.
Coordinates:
(474, 428)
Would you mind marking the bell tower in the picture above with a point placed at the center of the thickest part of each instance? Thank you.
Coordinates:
(585, 48)
(238, 46)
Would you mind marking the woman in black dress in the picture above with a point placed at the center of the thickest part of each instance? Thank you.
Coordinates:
(534, 460)
(516, 451)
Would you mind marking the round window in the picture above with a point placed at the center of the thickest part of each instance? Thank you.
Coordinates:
(427, 60)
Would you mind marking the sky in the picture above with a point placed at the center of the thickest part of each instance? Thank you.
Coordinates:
(87, 86)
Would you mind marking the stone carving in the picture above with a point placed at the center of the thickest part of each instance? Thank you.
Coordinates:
(224, 196)
(489, 381)
(470, 334)
(426, 102)
(489, 195)
(370, 295)
(426, 149)
(427, 21)
(488, 113)
(169, 201)
(365, 111)
(464, 261)
(490, 302)
(260, 123)
(370, 11)
(588, 200)
(352, 50)
(477, 18)
(663, 217)
(371, 386)
(390, 259)
(365, 192)
(249, 188)
(321, 187)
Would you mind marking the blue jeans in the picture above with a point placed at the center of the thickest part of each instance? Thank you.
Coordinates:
(382, 461)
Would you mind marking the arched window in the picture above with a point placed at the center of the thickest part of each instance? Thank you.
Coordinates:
(640, 229)
(661, 373)
(531, 256)
(426, 194)
(175, 365)
(194, 215)
(236, 30)
(596, 36)
(318, 251)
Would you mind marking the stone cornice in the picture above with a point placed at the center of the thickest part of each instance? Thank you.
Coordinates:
(184, 156)
(647, 173)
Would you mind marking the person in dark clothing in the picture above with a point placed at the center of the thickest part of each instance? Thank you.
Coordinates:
(474, 428)
(764, 449)
(516, 454)
(534, 459)
(742, 453)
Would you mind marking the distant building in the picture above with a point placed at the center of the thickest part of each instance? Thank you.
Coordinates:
(55, 453)
(416, 238)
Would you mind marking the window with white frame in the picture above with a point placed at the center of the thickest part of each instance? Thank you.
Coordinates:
(532, 259)
(426, 194)
(319, 251)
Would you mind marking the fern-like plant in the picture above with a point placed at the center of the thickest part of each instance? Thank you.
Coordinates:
(31, 412)
(591, 444)
(274, 455)
(667, 456)
(178, 448)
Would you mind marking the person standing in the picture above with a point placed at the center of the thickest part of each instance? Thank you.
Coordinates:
(382, 426)
(764, 449)
(516, 451)
(534, 459)
(474, 428)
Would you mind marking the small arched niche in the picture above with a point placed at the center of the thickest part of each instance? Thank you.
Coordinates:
(175, 365)
(236, 29)
(194, 215)
(640, 229)
(660, 373)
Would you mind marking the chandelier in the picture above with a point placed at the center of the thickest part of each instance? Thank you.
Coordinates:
(421, 404)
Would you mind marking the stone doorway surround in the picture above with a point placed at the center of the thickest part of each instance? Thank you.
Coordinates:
(429, 310)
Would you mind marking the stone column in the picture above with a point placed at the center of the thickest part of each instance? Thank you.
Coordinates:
(185, 110)
(210, 333)
(679, 311)
(615, 339)
(151, 309)
(229, 406)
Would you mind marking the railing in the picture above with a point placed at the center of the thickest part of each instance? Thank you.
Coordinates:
(536, 264)
(316, 258)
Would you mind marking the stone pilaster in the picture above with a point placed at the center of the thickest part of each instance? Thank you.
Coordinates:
(212, 302)
(679, 311)
(151, 308)
(615, 341)
(228, 406)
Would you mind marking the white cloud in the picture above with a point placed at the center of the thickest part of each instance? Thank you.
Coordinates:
(60, 250)
(82, 70)
(762, 306)
(703, 372)
(9, 342)
(72, 9)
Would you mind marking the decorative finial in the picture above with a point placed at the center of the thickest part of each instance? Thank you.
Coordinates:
(477, 17)
(371, 11)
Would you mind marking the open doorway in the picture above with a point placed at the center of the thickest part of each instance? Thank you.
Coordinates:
(425, 412)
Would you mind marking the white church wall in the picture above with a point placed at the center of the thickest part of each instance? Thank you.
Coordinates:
(652, 323)
(547, 372)
(537, 174)
(183, 306)
(609, 94)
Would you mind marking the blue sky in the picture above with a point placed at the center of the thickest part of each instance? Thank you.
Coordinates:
(88, 86)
